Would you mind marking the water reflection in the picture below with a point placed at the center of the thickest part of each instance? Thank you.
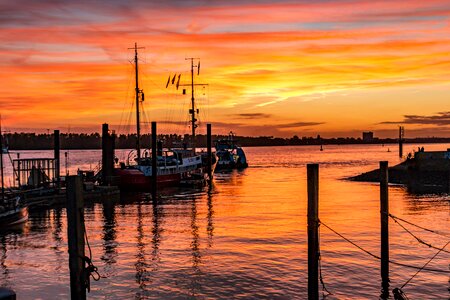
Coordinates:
(210, 218)
(109, 237)
(141, 264)
(195, 248)
(156, 235)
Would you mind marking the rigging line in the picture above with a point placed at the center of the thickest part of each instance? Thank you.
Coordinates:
(417, 238)
(423, 268)
(379, 258)
(423, 228)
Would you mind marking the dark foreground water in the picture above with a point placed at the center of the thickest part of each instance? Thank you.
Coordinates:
(246, 239)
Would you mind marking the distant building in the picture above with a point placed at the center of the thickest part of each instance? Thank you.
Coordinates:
(367, 136)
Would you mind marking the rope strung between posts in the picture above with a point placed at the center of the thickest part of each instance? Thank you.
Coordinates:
(324, 288)
(423, 267)
(379, 258)
(417, 238)
(423, 228)
(90, 270)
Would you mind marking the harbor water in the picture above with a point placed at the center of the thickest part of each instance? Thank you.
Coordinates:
(246, 239)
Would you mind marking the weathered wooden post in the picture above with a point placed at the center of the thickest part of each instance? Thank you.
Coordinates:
(75, 236)
(313, 231)
(401, 133)
(56, 155)
(208, 147)
(384, 211)
(107, 155)
(154, 161)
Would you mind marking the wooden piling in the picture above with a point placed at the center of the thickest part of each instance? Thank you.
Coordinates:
(384, 214)
(107, 155)
(154, 161)
(208, 146)
(313, 231)
(75, 236)
(401, 131)
(56, 155)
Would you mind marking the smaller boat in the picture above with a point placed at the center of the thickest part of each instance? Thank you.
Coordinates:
(230, 154)
(12, 213)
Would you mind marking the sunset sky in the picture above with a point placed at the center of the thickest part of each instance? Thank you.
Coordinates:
(329, 67)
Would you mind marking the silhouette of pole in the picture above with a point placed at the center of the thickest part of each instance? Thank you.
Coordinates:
(75, 236)
(108, 141)
(56, 149)
(313, 231)
(208, 146)
(154, 160)
(400, 141)
(384, 211)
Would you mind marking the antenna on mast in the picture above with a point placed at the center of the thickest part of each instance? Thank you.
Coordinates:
(138, 93)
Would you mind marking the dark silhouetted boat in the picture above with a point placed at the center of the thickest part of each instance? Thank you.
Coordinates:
(230, 154)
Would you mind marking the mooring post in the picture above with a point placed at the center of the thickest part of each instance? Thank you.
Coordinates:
(154, 161)
(384, 212)
(208, 147)
(75, 236)
(56, 149)
(107, 155)
(313, 231)
(400, 141)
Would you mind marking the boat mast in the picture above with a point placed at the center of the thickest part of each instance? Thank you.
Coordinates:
(138, 92)
(192, 110)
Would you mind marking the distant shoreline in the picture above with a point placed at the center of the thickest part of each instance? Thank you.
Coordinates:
(30, 141)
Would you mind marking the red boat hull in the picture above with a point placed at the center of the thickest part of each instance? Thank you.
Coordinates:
(134, 180)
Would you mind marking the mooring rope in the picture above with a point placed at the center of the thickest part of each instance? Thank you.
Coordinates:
(324, 288)
(419, 239)
(379, 258)
(423, 267)
(418, 226)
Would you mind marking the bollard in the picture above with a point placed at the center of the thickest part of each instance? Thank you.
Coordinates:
(75, 236)
(313, 231)
(154, 161)
(384, 215)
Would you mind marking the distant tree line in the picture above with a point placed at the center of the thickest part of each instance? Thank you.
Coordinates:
(33, 141)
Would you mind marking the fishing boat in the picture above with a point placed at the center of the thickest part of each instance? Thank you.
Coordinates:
(174, 165)
(230, 154)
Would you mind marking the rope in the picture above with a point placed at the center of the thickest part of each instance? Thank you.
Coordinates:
(423, 267)
(417, 238)
(379, 258)
(423, 228)
(90, 270)
(324, 288)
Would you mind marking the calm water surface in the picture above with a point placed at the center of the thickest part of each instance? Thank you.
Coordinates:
(246, 239)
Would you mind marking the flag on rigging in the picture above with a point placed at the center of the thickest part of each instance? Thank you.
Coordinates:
(168, 81)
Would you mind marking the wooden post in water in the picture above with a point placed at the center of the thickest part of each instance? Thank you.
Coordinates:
(401, 133)
(107, 155)
(75, 236)
(208, 147)
(154, 161)
(313, 231)
(384, 211)
(56, 155)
